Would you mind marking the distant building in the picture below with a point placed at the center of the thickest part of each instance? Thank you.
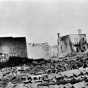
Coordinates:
(13, 46)
(38, 50)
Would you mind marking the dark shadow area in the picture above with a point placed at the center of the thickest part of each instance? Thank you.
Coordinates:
(18, 61)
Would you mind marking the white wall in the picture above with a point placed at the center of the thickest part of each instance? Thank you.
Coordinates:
(38, 51)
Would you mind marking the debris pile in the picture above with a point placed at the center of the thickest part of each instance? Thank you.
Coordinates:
(67, 72)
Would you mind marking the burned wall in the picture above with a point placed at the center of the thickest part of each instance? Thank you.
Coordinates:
(13, 46)
(64, 46)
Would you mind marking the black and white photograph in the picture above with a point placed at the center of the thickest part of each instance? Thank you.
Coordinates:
(43, 43)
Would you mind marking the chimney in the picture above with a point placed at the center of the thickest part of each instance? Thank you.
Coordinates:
(58, 34)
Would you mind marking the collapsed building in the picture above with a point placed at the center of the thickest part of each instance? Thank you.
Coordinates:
(71, 43)
(66, 45)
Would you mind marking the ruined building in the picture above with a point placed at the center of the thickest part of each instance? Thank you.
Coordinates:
(79, 42)
(64, 45)
(71, 43)
(13, 46)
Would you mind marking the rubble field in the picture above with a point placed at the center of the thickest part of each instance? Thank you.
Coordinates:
(67, 72)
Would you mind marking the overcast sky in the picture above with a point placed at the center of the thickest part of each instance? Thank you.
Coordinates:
(41, 20)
